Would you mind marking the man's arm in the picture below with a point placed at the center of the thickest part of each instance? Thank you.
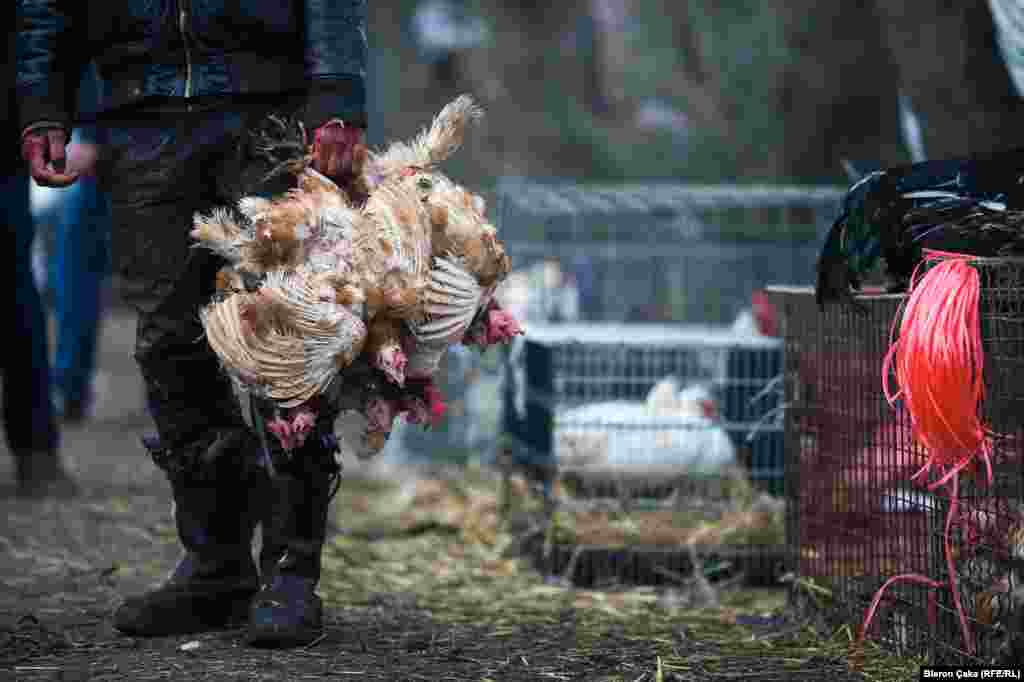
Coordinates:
(49, 61)
(335, 60)
(49, 64)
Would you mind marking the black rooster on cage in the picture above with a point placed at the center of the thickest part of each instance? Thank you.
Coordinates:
(972, 206)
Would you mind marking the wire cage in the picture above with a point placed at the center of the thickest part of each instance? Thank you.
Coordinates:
(582, 396)
(662, 251)
(645, 252)
(988, 537)
(583, 404)
(854, 519)
(660, 274)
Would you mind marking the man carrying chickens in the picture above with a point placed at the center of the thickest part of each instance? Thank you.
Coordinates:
(186, 88)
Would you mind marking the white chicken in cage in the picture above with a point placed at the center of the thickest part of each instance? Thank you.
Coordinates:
(674, 429)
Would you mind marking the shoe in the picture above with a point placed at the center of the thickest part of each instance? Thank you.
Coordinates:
(212, 585)
(199, 596)
(40, 475)
(287, 611)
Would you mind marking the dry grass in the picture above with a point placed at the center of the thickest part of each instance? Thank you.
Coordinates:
(422, 583)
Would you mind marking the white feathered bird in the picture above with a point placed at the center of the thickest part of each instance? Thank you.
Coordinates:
(673, 428)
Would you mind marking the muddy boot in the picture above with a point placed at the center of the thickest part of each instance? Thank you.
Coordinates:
(213, 583)
(41, 475)
(287, 611)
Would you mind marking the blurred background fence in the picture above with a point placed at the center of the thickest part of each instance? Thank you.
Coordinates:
(632, 254)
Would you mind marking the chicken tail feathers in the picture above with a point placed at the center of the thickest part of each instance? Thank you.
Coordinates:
(283, 143)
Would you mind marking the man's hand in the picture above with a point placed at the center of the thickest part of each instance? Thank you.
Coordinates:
(82, 158)
(339, 151)
(43, 149)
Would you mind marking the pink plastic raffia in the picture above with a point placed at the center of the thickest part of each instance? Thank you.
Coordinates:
(938, 362)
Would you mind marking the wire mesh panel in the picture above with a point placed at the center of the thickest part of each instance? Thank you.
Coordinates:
(634, 413)
(651, 252)
(586, 395)
(854, 519)
(617, 256)
(665, 252)
(988, 537)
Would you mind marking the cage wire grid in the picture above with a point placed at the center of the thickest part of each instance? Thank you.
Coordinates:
(988, 534)
(855, 520)
(690, 248)
(583, 417)
(667, 244)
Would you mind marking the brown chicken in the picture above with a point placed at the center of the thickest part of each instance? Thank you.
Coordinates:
(393, 280)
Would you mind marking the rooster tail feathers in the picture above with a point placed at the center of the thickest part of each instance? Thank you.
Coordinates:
(833, 271)
(281, 139)
(854, 242)
(448, 130)
(282, 142)
(433, 145)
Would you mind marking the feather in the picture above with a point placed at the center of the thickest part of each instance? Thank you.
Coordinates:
(460, 227)
(893, 214)
(333, 336)
(392, 249)
(219, 233)
(283, 142)
(455, 297)
(312, 181)
(432, 146)
(286, 336)
(385, 350)
(339, 292)
(221, 321)
(229, 281)
(253, 208)
(446, 135)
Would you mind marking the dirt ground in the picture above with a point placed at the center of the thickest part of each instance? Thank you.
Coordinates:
(64, 566)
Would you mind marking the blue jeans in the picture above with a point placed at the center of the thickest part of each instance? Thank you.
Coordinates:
(28, 413)
(77, 269)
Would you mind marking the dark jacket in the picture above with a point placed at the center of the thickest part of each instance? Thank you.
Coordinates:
(9, 153)
(147, 49)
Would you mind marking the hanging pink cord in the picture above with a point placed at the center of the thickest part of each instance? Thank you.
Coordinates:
(938, 362)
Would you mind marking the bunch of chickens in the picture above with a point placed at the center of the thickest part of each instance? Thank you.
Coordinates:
(328, 300)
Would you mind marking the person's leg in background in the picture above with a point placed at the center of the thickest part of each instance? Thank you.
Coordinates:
(77, 273)
(32, 432)
(79, 263)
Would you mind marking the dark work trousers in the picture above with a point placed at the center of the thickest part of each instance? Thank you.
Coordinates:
(163, 165)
